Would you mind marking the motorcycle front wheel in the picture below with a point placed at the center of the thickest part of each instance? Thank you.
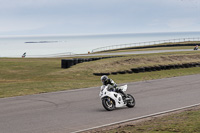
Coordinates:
(130, 103)
(108, 103)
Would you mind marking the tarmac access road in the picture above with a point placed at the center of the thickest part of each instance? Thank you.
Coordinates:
(128, 53)
(75, 110)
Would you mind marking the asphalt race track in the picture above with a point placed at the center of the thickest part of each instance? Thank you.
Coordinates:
(71, 111)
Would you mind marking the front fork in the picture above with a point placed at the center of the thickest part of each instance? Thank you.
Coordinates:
(109, 101)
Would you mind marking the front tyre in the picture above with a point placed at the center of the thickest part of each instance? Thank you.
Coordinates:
(108, 103)
(131, 102)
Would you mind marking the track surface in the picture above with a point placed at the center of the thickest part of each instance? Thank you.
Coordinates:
(70, 111)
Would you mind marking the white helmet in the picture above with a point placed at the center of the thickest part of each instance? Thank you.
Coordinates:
(104, 78)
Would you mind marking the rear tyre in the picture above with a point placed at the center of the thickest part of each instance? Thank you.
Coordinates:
(108, 103)
(130, 103)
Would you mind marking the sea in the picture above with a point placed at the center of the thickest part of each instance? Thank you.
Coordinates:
(56, 45)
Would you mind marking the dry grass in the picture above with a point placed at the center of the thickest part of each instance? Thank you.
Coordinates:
(126, 63)
(31, 76)
(182, 122)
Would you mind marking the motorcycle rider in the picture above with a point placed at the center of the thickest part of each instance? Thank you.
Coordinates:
(197, 47)
(112, 85)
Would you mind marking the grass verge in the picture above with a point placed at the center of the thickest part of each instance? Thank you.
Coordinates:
(40, 75)
(182, 122)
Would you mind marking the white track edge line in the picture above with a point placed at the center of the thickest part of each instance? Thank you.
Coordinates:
(137, 118)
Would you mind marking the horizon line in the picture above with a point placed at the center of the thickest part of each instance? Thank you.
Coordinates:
(94, 34)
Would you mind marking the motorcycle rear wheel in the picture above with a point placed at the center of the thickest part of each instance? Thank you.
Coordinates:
(108, 103)
(130, 103)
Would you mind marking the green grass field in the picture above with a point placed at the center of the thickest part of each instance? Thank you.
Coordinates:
(25, 76)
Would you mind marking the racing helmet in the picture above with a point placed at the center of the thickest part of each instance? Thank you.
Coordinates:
(104, 78)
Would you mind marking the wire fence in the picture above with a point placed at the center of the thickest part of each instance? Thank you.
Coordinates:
(112, 47)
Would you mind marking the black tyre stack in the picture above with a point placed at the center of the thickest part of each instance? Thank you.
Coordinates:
(152, 68)
(67, 63)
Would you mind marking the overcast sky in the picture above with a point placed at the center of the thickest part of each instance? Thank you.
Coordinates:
(72, 17)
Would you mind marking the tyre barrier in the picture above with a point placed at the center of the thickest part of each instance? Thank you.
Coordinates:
(147, 69)
(158, 68)
(100, 74)
(141, 69)
(186, 65)
(97, 74)
(121, 72)
(168, 67)
(177, 66)
(129, 71)
(114, 73)
(135, 70)
(75, 61)
(67, 63)
(80, 60)
(152, 68)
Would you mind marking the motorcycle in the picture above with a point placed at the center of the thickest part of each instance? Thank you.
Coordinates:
(112, 100)
(195, 48)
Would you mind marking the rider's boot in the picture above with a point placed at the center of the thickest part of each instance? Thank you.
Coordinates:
(125, 97)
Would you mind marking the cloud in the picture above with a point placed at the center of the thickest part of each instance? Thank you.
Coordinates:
(29, 3)
(182, 23)
(12, 25)
(75, 16)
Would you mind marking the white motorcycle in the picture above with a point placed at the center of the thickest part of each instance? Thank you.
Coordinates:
(112, 100)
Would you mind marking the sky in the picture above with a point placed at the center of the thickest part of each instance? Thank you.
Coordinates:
(81, 17)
